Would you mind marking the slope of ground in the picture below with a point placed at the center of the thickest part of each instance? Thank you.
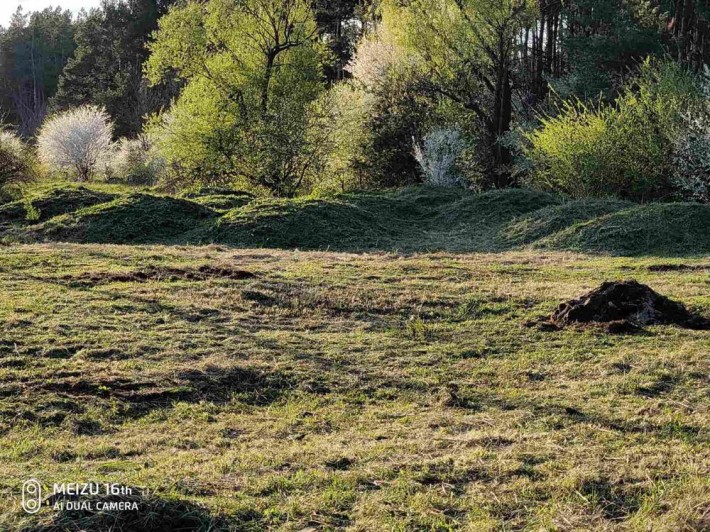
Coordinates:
(413, 219)
(49, 203)
(135, 218)
(660, 229)
(550, 220)
(331, 391)
(222, 199)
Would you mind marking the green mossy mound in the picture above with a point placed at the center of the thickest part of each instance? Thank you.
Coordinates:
(220, 199)
(664, 229)
(494, 207)
(307, 224)
(52, 203)
(133, 219)
(415, 219)
(549, 220)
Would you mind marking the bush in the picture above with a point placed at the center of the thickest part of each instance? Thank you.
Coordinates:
(135, 162)
(438, 155)
(623, 149)
(691, 160)
(77, 141)
(338, 122)
(17, 163)
(394, 111)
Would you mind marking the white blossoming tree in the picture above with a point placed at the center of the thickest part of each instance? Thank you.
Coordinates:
(691, 160)
(77, 140)
(437, 157)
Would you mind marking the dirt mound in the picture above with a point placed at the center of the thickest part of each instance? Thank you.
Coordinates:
(155, 273)
(52, 203)
(549, 220)
(220, 198)
(660, 229)
(623, 306)
(133, 219)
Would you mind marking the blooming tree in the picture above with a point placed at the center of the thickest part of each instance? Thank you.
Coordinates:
(691, 160)
(76, 140)
(438, 155)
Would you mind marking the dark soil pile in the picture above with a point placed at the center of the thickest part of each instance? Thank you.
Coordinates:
(162, 274)
(626, 305)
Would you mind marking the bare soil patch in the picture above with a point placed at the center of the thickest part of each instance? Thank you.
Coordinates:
(155, 273)
(626, 306)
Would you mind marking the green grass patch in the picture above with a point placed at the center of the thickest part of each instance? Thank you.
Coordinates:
(328, 390)
(550, 220)
(48, 203)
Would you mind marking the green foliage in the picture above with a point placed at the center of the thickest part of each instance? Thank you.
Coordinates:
(691, 158)
(465, 52)
(251, 71)
(17, 164)
(622, 149)
(339, 118)
(135, 162)
(33, 51)
(605, 39)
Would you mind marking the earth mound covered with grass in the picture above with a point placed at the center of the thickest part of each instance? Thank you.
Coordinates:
(136, 218)
(221, 199)
(308, 224)
(415, 219)
(626, 303)
(51, 203)
(550, 220)
(652, 229)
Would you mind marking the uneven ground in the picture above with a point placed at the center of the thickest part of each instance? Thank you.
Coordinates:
(417, 219)
(332, 390)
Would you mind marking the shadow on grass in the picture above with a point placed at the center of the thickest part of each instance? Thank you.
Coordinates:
(140, 513)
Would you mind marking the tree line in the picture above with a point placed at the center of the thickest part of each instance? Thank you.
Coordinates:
(294, 96)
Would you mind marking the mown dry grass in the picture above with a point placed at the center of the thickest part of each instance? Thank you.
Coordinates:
(368, 392)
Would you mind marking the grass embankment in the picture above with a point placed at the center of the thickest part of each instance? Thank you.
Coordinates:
(332, 390)
(416, 219)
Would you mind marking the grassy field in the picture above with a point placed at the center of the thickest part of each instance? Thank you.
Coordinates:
(266, 389)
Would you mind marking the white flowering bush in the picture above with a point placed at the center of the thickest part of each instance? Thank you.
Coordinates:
(437, 157)
(136, 161)
(691, 160)
(78, 141)
(376, 55)
(17, 163)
